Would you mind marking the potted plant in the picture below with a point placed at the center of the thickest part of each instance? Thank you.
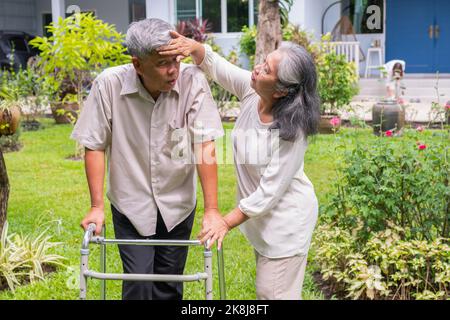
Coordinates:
(10, 105)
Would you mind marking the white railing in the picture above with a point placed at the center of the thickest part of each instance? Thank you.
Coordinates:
(349, 49)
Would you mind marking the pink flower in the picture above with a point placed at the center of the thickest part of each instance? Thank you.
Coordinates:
(335, 121)
(447, 106)
(419, 128)
(422, 146)
(389, 133)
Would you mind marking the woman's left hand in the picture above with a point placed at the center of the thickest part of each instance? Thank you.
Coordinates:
(214, 228)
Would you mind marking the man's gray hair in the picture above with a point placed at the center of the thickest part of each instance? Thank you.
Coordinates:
(146, 35)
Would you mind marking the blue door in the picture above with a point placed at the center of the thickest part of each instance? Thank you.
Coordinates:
(442, 36)
(418, 32)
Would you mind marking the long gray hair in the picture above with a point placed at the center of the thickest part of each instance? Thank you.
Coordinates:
(299, 111)
(146, 35)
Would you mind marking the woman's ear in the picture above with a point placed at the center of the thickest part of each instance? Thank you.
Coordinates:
(280, 93)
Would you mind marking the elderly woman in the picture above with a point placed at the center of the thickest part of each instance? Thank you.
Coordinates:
(277, 207)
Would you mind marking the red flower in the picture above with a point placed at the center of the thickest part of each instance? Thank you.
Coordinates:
(448, 105)
(335, 121)
(422, 146)
(389, 133)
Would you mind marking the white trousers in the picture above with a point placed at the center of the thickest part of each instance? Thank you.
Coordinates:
(280, 279)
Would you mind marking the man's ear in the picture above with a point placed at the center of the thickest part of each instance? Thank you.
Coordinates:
(280, 93)
(137, 65)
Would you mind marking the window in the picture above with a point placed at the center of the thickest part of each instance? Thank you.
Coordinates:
(237, 13)
(211, 10)
(137, 10)
(367, 16)
(186, 10)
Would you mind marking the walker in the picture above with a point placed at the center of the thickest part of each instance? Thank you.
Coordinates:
(85, 273)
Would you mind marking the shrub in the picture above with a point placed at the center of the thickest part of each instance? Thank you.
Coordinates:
(338, 82)
(387, 267)
(79, 47)
(395, 180)
(384, 232)
(195, 29)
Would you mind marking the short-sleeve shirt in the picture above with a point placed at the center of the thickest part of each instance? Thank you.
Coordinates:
(148, 144)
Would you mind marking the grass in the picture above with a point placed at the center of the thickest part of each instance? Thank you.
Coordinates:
(48, 190)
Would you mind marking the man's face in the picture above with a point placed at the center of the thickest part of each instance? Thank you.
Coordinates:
(159, 73)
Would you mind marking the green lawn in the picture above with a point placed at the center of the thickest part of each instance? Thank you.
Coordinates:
(49, 191)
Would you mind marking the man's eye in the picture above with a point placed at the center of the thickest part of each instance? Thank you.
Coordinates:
(162, 63)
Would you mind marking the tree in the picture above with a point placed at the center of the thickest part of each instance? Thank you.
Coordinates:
(79, 48)
(269, 29)
(4, 191)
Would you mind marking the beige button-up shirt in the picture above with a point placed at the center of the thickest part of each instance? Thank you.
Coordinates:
(149, 145)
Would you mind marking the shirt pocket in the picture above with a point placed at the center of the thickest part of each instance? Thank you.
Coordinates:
(177, 146)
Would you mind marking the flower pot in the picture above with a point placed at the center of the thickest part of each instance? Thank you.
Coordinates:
(387, 115)
(329, 123)
(65, 112)
(9, 121)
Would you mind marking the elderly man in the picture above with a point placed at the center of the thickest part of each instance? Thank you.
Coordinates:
(149, 117)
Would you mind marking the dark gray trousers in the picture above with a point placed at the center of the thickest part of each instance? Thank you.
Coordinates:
(152, 259)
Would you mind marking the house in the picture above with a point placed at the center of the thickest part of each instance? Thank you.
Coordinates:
(417, 31)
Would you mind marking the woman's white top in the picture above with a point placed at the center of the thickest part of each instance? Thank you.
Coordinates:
(273, 190)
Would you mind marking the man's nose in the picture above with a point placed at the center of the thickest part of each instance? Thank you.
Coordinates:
(173, 68)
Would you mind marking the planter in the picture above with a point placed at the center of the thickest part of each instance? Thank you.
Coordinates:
(10, 118)
(65, 112)
(326, 126)
(387, 115)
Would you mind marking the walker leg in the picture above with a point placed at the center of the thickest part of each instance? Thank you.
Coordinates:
(208, 270)
(221, 268)
(83, 268)
(103, 265)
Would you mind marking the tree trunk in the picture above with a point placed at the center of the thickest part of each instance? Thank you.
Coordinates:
(269, 29)
(4, 191)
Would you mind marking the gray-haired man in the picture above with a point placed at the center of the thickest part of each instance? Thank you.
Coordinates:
(134, 114)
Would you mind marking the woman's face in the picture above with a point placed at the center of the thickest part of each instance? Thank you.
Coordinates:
(264, 76)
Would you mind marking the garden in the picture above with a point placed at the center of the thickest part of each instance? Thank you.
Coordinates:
(384, 223)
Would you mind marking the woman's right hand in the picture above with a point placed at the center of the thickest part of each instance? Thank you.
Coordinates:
(183, 47)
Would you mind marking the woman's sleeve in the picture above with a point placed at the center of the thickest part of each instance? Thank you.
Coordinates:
(226, 74)
(283, 166)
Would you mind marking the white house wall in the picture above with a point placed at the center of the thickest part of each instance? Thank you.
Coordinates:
(112, 11)
(308, 14)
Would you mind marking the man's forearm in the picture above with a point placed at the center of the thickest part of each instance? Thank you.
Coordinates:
(207, 171)
(95, 173)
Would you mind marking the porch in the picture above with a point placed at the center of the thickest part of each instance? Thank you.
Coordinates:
(421, 91)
